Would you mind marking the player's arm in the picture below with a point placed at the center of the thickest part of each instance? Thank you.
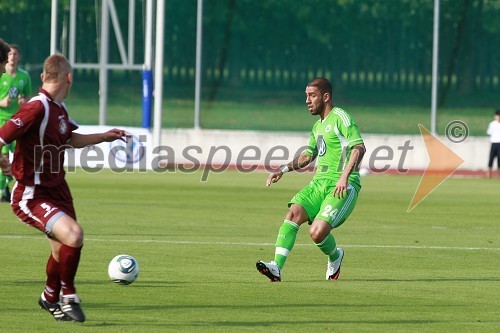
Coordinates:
(301, 161)
(357, 153)
(5, 103)
(82, 140)
(22, 121)
(22, 99)
(4, 161)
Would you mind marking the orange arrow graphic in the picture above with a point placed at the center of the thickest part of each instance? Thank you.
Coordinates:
(442, 163)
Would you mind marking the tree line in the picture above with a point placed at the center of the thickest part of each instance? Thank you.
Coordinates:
(385, 44)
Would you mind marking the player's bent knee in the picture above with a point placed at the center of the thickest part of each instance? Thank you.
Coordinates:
(67, 231)
(319, 230)
(297, 214)
(75, 236)
(315, 236)
(75, 239)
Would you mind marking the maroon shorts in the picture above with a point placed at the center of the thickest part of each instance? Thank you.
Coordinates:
(41, 207)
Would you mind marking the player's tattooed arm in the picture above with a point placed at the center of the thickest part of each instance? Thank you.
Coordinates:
(300, 161)
(357, 153)
(297, 163)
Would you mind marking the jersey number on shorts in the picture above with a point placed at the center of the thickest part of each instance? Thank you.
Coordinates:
(47, 208)
(327, 212)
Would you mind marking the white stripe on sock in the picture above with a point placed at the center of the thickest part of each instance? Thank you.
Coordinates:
(293, 224)
(282, 251)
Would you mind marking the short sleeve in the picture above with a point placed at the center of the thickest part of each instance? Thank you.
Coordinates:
(348, 128)
(27, 115)
(352, 135)
(73, 125)
(312, 150)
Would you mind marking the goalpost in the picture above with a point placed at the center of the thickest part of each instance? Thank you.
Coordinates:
(435, 75)
(108, 12)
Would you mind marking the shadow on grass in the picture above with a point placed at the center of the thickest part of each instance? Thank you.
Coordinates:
(175, 283)
(445, 279)
(274, 323)
(315, 322)
(231, 306)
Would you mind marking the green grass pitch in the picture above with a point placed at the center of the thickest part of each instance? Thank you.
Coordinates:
(435, 269)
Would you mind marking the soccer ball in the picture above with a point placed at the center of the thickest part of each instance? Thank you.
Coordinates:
(364, 172)
(123, 269)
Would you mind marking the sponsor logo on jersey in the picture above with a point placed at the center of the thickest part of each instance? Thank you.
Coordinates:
(63, 126)
(13, 92)
(18, 122)
(328, 128)
(321, 146)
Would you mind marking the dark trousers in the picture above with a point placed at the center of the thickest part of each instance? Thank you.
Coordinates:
(494, 152)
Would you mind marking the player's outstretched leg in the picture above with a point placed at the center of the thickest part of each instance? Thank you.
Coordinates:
(285, 242)
(284, 245)
(53, 309)
(269, 269)
(333, 266)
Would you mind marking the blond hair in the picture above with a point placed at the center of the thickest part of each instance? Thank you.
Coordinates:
(55, 68)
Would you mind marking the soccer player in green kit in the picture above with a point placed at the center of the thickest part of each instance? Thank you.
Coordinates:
(328, 200)
(15, 88)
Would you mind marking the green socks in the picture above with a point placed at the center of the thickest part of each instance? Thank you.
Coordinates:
(329, 247)
(3, 184)
(285, 242)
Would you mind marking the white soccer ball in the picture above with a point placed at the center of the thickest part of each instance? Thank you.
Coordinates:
(123, 269)
(364, 172)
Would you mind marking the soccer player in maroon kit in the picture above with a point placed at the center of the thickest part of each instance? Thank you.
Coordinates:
(41, 197)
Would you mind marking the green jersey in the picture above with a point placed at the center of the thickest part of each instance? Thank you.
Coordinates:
(331, 141)
(19, 85)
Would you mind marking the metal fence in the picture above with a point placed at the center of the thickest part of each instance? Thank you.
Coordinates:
(380, 46)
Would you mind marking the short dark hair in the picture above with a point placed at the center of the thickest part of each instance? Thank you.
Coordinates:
(497, 112)
(15, 46)
(4, 51)
(323, 85)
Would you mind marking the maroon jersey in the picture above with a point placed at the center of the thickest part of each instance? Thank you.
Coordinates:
(42, 129)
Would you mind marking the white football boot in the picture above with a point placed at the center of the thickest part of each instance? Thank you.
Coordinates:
(333, 267)
(269, 269)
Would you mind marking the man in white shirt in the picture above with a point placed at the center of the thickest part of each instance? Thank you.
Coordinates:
(494, 133)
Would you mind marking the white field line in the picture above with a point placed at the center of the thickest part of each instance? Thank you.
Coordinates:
(421, 247)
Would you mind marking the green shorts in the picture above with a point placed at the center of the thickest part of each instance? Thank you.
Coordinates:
(11, 146)
(318, 201)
